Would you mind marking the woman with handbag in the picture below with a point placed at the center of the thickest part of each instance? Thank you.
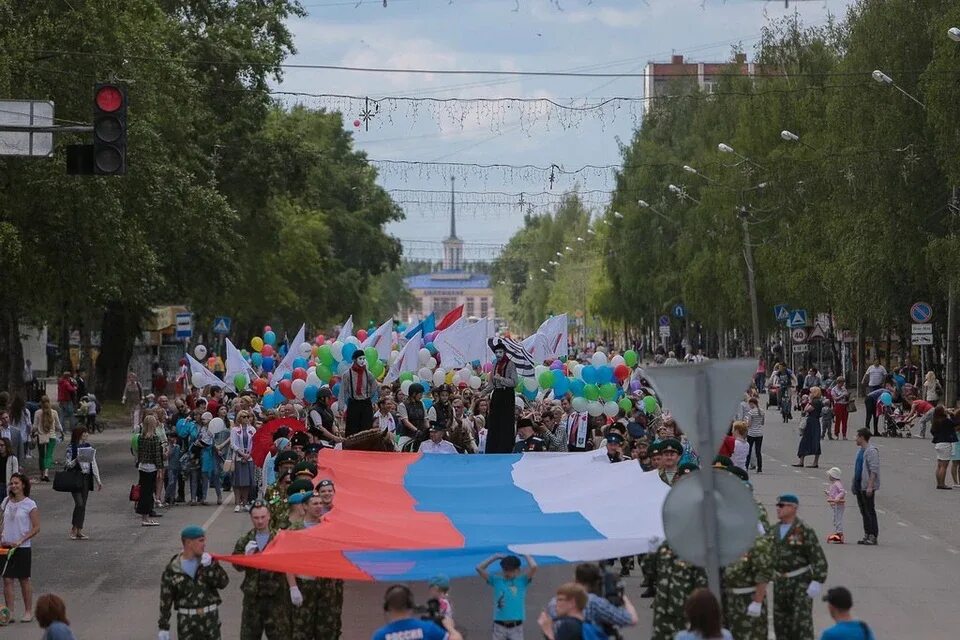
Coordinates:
(81, 455)
(46, 428)
(149, 460)
(241, 441)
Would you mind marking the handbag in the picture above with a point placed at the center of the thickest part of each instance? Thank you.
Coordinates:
(228, 465)
(68, 480)
(852, 406)
(135, 493)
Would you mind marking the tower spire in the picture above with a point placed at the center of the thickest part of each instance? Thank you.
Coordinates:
(453, 210)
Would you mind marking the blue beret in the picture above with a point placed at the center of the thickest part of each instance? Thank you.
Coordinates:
(440, 580)
(299, 498)
(192, 532)
(789, 498)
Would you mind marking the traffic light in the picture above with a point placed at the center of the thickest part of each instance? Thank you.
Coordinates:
(109, 129)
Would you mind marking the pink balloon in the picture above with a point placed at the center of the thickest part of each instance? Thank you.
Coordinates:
(487, 367)
(266, 328)
(356, 123)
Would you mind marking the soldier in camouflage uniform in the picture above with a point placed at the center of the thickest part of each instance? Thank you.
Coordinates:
(315, 614)
(191, 583)
(265, 600)
(801, 568)
(276, 499)
(670, 451)
(297, 493)
(674, 579)
(327, 492)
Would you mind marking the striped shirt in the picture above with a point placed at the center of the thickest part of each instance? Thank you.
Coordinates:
(754, 419)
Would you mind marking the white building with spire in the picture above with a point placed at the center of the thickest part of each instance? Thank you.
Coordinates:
(441, 291)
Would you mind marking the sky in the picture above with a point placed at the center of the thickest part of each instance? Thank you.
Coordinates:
(598, 36)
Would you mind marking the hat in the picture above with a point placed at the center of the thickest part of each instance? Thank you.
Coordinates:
(439, 580)
(788, 498)
(535, 443)
(840, 597)
(508, 563)
(416, 387)
(299, 497)
(437, 426)
(688, 467)
(299, 485)
(287, 456)
(833, 472)
(299, 438)
(313, 447)
(192, 532)
(614, 438)
(325, 483)
(305, 468)
(359, 353)
(722, 462)
(655, 448)
(671, 444)
(524, 422)
(281, 432)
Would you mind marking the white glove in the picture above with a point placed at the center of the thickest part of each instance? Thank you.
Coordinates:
(251, 548)
(813, 590)
(163, 635)
(754, 609)
(295, 596)
(206, 559)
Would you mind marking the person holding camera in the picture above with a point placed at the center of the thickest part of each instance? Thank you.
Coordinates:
(607, 608)
(402, 621)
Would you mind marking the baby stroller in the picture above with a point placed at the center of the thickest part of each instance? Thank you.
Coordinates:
(894, 423)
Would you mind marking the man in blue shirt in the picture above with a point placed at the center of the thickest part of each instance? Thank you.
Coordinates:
(839, 601)
(509, 594)
(401, 623)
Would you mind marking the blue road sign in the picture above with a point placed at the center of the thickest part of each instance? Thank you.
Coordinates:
(921, 312)
(798, 318)
(679, 311)
(664, 321)
(184, 325)
(221, 325)
(781, 312)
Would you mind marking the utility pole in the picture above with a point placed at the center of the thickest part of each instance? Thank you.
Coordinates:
(751, 280)
(951, 382)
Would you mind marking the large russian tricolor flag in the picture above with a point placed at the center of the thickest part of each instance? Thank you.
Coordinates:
(410, 516)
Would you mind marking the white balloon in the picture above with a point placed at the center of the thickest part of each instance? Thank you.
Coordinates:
(206, 417)
(354, 340)
(425, 374)
(432, 363)
(200, 352)
(577, 370)
(298, 386)
(424, 356)
(616, 361)
(393, 356)
(439, 376)
(537, 370)
(405, 387)
(216, 426)
(599, 359)
(313, 380)
(197, 380)
(579, 404)
(594, 408)
(530, 384)
(464, 374)
(343, 367)
(306, 349)
(337, 350)
(475, 382)
(611, 409)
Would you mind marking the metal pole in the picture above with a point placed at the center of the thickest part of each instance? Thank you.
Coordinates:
(710, 524)
(26, 128)
(951, 375)
(751, 281)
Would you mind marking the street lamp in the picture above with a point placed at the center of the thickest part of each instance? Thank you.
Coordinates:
(647, 205)
(954, 33)
(568, 248)
(617, 214)
(725, 148)
(789, 136)
(542, 270)
(681, 193)
(579, 239)
(883, 78)
(559, 255)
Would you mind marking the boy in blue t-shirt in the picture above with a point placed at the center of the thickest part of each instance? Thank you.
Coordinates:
(839, 601)
(509, 594)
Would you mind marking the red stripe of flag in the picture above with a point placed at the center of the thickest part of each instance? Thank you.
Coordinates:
(450, 318)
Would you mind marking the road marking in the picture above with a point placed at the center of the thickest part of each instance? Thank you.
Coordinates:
(903, 524)
(911, 453)
(217, 512)
(953, 551)
(881, 512)
(784, 466)
(926, 459)
(925, 537)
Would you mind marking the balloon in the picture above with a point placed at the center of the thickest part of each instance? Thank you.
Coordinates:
(634, 385)
(393, 356)
(362, 335)
(537, 370)
(561, 384)
(599, 359)
(529, 395)
(240, 381)
(604, 374)
(425, 373)
(256, 343)
(377, 369)
(475, 382)
(270, 338)
(589, 374)
(313, 379)
(297, 386)
(579, 404)
(270, 401)
(324, 374)
(320, 339)
(267, 327)
(424, 356)
(267, 364)
(608, 391)
(439, 376)
(576, 387)
(630, 357)
(464, 374)
(886, 398)
(356, 124)
(616, 361)
(529, 383)
(426, 386)
(427, 403)
(626, 404)
(348, 350)
(406, 376)
(621, 372)
(306, 349)
(259, 386)
(256, 359)
(487, 367)
(200, 351)
(611, 409)
(216, 426)
(405, 387)
(287, 376)
(300, 363)
(449, 378)
(595, 408)
(650, 404)
(352, 340)
(286, 388)
(591, 392)
(197, 380)
(210, 362)
(267, 350)
(337, 350)
(335, 390)
(372, 354)
(546, 379)
(300, 373)
(430, 336)
(432, 363)
(432, 348)
(556, 364)
(325, 355)
(310, 393)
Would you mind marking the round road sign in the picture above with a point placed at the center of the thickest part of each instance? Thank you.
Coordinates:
(921, 312)
(799, 334)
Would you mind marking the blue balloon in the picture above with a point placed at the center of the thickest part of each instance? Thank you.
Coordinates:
(431, 348)
(310, 393)
(270, 338)
(589, 374)
(256, 359)
(560, 385)
(336, 390)
(348, 350)
(604, 374)
(886, 398)
(287, 376)
(476, 364)
(576, 387)
(269, 401)
(427, 403)
(268, 363)
(426, 386)
(282, 350)
(300, 363)
(528, 394)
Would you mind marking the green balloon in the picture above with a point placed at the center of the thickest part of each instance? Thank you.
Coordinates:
(325, 354)
(377, 369)
(546, 380)
(630, 357)
(406, 375)
(626, 404)
(372, 354)
(591, 392)
(650, 404)
(239, 381)
(608, 390)
(323, 372)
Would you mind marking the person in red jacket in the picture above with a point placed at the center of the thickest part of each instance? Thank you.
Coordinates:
(66, 391)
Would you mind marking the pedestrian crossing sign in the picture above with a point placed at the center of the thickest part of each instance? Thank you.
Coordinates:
(798, 318)
(221, 325)
(781, 312)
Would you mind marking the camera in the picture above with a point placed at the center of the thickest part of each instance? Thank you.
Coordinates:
(430, 612)
(612, 588)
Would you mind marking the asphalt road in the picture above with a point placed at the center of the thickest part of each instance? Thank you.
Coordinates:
(905, 588)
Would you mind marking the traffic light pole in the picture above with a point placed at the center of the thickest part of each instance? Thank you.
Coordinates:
(13, 128)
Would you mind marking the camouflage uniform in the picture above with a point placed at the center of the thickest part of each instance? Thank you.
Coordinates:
(319, 617)
(792, 607)
(266, 604)
(179, 591)
(739, 584)
(674, 580)
(663, 476)
(276, 500)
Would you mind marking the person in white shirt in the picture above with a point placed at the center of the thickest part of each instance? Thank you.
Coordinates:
(436, 443)
(384, 419)
(874, 376)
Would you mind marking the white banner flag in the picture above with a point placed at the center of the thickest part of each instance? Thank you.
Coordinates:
(207, 379)
(461, 346)
(346, 330)
(537, 346)
(408, 360)
(236, 364)
(293, 352)
(554, 329)
(381, 340)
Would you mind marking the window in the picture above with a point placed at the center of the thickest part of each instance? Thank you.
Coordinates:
(484, 306)
(470, 307)
(443, 304)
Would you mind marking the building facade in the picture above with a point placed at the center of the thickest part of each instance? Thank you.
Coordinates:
(678, 75)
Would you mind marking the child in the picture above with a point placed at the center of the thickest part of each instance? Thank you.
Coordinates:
(836, 498)
(82, 409)
(93, 408)
(173, 468)
(439, 587)
(509, 594)
(826, 419)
